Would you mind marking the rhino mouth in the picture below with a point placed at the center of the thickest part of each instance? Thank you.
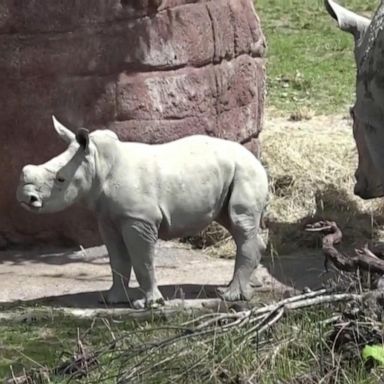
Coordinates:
(32, 206)
(368, 194)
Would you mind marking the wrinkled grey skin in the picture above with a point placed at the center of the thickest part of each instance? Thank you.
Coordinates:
(144, 192)
(368, 111)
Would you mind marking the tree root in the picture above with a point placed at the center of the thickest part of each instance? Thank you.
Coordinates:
(363, 259)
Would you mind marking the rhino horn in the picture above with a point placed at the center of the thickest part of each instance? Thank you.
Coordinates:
(347, 20)
(62, 131)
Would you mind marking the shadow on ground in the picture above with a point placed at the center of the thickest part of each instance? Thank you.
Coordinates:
(295, 258)
(332, 204)
(94, 299)
(52, 256)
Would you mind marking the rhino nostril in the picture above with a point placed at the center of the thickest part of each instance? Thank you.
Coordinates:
(33, 199)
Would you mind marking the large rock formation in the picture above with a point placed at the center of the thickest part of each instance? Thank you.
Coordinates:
(153, 72)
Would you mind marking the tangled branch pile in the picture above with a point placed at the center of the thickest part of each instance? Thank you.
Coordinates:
(134, 358)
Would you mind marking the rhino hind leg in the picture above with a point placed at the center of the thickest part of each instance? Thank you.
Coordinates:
(120, 264)
(242, 286)
(243, 220)
(140, 238)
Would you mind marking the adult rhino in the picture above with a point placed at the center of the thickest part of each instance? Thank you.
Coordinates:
(368, 111)
(143, 192)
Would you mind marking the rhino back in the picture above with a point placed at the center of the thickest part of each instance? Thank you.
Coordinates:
(185, 181)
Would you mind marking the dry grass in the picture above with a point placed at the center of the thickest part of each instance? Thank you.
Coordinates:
(311, 164)
(302, 113)
(304, 161)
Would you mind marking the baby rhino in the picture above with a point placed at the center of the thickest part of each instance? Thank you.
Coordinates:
(143, 192)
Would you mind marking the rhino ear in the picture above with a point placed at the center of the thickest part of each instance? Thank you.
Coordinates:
(63, 132)
(82, 137)
(347, 21)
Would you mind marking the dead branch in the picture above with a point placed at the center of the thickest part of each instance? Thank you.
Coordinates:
(363, 259)
(171, 308)
(221, 322)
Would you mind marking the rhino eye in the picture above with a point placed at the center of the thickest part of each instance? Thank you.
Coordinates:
(60, 179)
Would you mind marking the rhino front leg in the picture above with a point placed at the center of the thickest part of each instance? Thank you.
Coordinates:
(120, 262)
(140, 238)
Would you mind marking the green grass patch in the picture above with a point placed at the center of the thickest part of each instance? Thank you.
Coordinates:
(310, 61)
(296, 350)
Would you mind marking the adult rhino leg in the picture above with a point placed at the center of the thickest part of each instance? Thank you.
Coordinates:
(140, 238)
(243, 222)
(120, 262)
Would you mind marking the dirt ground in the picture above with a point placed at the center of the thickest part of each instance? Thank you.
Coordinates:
(77, 277)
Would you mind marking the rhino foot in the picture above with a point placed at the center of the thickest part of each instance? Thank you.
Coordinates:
(116, 295)
(238, 292)
(151, 300)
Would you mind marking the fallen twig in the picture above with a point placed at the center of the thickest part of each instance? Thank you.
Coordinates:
(30, 315)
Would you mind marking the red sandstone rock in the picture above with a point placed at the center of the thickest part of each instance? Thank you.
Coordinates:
(151, 70)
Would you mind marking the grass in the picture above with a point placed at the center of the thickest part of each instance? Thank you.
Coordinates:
(298, 348)
(310, 61)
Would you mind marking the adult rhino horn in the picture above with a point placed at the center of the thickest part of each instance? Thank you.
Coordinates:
(62, 131)
(347, 20)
